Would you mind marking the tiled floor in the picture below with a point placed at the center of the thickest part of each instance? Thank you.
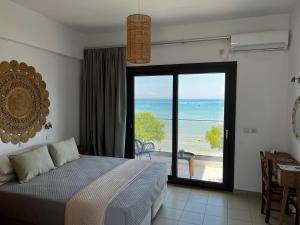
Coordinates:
(190, 206)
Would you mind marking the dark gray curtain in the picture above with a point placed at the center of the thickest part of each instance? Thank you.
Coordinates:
(103, 106)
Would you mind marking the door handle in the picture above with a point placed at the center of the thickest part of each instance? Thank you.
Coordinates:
(226, 134)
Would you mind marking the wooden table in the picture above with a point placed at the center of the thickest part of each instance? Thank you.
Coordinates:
(287, 178)
(190, 157)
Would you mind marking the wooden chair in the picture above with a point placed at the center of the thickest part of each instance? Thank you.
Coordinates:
(271, 191)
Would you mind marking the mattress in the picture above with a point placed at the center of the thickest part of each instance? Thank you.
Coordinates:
(42, 201)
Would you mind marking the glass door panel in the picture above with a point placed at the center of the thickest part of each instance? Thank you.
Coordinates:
(153, 107)
(201, 126)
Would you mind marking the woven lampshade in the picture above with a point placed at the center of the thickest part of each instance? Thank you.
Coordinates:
(138, 38)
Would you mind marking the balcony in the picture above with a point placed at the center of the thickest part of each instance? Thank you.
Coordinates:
(207, 162)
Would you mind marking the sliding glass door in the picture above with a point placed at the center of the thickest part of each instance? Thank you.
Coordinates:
(153, 110)
(201, 126)
(184, 116)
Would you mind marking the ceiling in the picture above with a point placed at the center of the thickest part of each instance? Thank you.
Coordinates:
(104, 15)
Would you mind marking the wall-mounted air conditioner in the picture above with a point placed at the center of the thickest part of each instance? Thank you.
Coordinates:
(273, 40)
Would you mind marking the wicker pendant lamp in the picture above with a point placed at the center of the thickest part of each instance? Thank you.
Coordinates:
(138, 38)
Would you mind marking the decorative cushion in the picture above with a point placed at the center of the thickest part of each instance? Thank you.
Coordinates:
(6, 178)
(63, 152)
(5, 165)
(30, 164)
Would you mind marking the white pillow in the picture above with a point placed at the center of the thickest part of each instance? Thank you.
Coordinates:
(5, 165)
(6, 178)
(32, 163)
(63, 152)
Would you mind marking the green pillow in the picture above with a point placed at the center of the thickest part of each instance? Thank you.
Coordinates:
(63, 152)
(30, 164)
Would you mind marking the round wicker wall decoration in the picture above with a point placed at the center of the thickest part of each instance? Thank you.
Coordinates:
(24, 102)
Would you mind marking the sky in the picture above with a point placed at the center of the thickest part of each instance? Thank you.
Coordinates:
(192, 86)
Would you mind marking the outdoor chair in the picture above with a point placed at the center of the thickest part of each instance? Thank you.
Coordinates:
(142, 148)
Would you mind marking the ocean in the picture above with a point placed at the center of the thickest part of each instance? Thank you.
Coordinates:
(196, 117)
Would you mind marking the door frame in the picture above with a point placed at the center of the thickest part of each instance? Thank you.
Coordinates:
(230, 69)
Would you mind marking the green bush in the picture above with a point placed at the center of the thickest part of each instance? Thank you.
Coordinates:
(215, 137)
(148, 127)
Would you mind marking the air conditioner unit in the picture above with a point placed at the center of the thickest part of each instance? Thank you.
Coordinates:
(273, 40)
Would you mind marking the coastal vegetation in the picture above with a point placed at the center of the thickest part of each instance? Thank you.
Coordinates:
(215, 137)
(148, 127)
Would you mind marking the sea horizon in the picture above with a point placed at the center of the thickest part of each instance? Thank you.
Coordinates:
(201, 99)
(196, 117)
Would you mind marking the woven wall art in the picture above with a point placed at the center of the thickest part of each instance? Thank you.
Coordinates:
(24, 102)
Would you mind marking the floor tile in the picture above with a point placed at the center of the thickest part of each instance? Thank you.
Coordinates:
(198, 198)
(214, 220)
(238, 222)
(194, 218)
(257, 217)
(223, 195)
(255, 207)
(239, 214)
(181, 195)
(179, 188)
(240, 198)
(169, 213)
(217, 201)
(185, 223)
(219, 211)
(199, 191)
(175, 203)
(274, 220)
(195, 206)
(238, 203)
(254, 200)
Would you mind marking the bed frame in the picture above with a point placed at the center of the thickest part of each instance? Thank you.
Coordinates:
(147, 220)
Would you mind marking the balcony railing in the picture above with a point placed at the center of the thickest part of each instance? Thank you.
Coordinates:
(191, 136)
(195, 120)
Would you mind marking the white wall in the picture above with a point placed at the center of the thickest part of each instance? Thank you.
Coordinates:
(262, 83)
(55, 52)
(23, 25)
(294, 61)
(62, 76)
(262, 102)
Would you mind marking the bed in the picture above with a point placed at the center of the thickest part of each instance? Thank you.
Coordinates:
(42, 201)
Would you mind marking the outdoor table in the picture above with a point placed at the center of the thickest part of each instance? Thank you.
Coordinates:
(190, 157)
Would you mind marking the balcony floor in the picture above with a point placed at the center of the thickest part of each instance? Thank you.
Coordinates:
(207, 168)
